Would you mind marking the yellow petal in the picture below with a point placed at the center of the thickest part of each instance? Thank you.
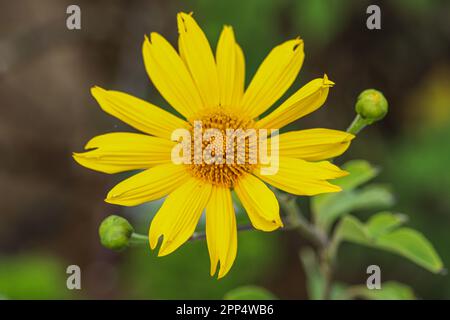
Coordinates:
(221, 231)
(314, 144)
(178, 216)
(149, 185)
(301, 177)
(123, 151)
(259, 202)
(275, 75)
(170, 75)
(239, 81)
(306, 100)
(138, 113)
(199, 59)
(230, 69)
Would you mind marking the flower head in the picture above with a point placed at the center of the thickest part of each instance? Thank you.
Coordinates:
(115, 232)
(371, 105)
(208, 91)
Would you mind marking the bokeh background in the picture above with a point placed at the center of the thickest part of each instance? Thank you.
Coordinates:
(50, 207)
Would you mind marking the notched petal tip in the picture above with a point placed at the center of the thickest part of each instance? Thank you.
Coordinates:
(155, 36)
(153, 239)
(115, 197)
(217, 266)
(121, 198)
(165, 248)
(227, 28)
(349, 137)
(339, 173)
(343, 173)
(149, 40)
(89, 146)
(97, 92)
(336, 188)
(78, 158)
(162, 253)
(269, 226)
(94, 89)
(146, 46)
(298, 44)
(184, 14)
(97, 89)
(114, 200)
(223, 270)
(182, 20)
(327, 82)
(222, 274)
(213, 269)
(107, 200)
(277, 224)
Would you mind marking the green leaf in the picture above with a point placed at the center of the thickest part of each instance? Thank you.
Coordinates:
(390, 290)
(382, 232)
(249, 293)
(328, 208)
(412, 245)
(351, 229)
(370, 197)
(384, 222)
(361, 171)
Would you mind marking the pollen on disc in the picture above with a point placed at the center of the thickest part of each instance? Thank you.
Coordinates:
(222, 162)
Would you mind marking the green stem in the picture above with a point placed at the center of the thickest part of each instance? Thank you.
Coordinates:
(334, 244)
(297, 221)
(138, 239)
(326, 268)
(138, 236)
(357, 125)
(202, 235)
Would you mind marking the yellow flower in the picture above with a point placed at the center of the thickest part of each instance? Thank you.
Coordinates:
(211, 89)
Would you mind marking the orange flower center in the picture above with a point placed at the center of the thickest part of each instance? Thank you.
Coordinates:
(223, 147)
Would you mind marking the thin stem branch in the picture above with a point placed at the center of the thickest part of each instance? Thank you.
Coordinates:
(326, 268)
(202, 235)
(137, 238)
(317, 236)
(357, 125)
(296, 220)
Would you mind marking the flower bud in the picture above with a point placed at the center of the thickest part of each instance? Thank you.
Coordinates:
(371, 105)
(115, 232)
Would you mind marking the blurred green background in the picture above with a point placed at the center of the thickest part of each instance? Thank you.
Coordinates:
(50, 207)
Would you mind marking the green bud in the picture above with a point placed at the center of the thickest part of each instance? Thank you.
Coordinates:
(115, 232)
(371, 105)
